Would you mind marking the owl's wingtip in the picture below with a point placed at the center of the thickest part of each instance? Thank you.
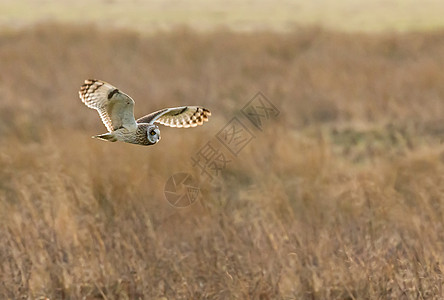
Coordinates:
(106, 137)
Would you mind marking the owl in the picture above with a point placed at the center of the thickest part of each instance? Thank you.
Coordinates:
(116, 109)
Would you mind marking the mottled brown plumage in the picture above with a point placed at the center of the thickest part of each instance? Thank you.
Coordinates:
(116, 110)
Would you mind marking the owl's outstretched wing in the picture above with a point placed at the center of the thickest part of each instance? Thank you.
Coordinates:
(180, 117)
(116, 109)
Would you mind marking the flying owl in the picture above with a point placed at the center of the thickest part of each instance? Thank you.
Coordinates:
(116, 109)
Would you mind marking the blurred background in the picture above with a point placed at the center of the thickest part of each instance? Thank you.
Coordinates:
(339, 197)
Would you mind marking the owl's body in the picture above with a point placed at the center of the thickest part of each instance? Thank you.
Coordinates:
(116, 109)
(138, 136)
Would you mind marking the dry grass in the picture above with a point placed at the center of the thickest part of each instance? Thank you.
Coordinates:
(341, 198)
(282, 15)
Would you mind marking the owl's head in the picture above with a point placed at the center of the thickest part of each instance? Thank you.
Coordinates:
(153, 133)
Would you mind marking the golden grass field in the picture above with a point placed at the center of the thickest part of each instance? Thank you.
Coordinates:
(243, 15)
(341, 197)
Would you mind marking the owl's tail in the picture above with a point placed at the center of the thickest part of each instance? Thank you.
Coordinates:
(106, 137)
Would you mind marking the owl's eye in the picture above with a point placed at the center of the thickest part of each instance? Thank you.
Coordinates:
(152, 132)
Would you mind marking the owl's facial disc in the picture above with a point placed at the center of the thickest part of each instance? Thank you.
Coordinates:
(153, 134)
